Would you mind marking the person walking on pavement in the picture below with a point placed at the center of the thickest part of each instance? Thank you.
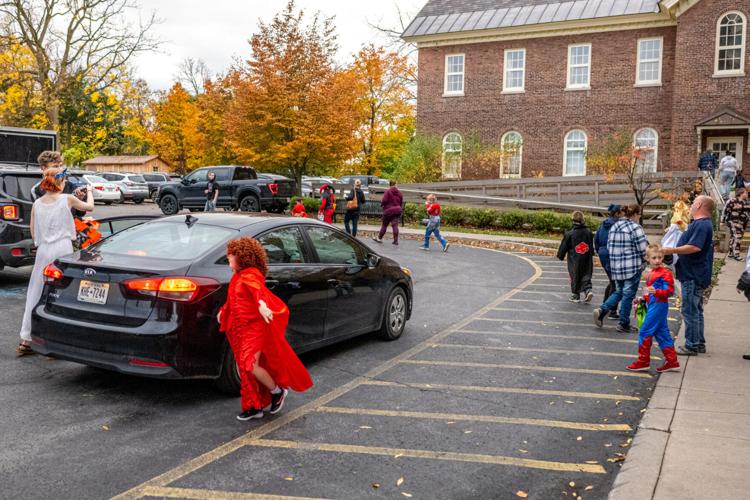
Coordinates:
(211, 192)
(433, 210)
(696, 250)
(727, 173)
(627, 251)
(254, 321)
(354, 201)
(707, 163)
(600, 245)
(659, 287)
(736, 217)
(53, 232)
(392, 207)
(327, 204)
(577, 245)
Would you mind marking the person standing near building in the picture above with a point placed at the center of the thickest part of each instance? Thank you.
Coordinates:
(212, 193)
(627, 251)
(727, 173)
(707, 163)
(694, 267)
(53, 232)
(600, 245)
(392, 207)
(354, 201)
(736, 217)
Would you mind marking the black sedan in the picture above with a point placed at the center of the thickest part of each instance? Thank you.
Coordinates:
(144, 300)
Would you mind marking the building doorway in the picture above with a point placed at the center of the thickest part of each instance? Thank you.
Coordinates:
(720, 145)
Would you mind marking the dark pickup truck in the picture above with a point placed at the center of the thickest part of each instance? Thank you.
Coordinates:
(240, 188)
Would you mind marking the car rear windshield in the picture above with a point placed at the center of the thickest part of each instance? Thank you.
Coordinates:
(136, 178)
(154, 177)
(166, 240)
(96, 178)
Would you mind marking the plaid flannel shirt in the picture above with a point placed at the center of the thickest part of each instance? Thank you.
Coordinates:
(627, 249)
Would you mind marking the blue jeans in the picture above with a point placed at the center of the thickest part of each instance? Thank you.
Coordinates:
(209, 206)
(624, 294)
(692, 314)
(436, 231)
(725, 182)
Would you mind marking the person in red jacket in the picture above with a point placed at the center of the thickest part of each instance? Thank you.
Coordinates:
(660, 286)
(255, 321)
(327, 204)
(432, 208)
(299, 210)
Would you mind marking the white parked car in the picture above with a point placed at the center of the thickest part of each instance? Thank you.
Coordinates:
(104, 191)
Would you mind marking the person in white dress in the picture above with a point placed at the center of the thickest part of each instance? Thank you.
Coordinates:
(53, 232)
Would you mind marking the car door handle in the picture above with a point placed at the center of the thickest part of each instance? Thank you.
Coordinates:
(333, 282)
(294, 284)
(271, 284)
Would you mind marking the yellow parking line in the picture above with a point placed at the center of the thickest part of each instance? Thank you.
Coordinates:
(511, 309)
(534, 349)
(199, 494)
(490, 419)
(434, 455)
(547, 335)
(211, 456)
(535, 321)
(508, 390)
(562, 286)
(623, 373)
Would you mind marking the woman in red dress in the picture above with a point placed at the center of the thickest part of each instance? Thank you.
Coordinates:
(254, 321)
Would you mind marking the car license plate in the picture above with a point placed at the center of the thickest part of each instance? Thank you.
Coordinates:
(96, 293)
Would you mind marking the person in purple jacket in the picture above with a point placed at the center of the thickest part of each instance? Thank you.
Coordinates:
(391, 203)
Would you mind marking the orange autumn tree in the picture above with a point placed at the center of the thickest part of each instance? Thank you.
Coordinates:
(293, 110)
(176, 137)
(386, 107)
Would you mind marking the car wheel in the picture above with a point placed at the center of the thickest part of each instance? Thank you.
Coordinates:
(229, 379)
(249, 204)
(168, 204)
(153, 195)
(138, 201)
(394, 316)
(107, 202)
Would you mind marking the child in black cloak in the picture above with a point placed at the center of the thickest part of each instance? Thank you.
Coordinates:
(577, 245)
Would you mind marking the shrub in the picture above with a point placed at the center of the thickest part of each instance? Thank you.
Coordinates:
(482, 218)
(312, 205)
(511, 219)
(544, 221)
(453, 215)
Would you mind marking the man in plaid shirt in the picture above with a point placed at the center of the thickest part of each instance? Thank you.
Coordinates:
(627, 250)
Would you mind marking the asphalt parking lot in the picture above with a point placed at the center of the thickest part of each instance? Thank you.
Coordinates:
(499, 388)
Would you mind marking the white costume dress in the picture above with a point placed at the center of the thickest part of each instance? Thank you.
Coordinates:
(54, 231)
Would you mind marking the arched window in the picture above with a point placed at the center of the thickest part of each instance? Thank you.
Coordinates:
(512, 154)
(574, 161)
(730, 44)
(646, 143)
(453, 146)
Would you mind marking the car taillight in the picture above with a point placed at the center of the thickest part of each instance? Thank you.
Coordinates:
(128, 183)
(274, 188)
(172, 288)
(99, 188)
(10, 212)
(52, 273)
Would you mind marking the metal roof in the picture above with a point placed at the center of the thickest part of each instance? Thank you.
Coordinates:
(450, 16)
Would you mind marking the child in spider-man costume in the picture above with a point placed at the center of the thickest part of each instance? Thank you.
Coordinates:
(660, 286)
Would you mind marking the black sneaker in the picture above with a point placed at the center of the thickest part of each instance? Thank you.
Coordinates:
(746, 356)
(598, 317)
(250, 414)
(277, 401)
(702, 349)
(624, 328)
(684, 351)
(588, 296)
(613, 315)
(574, 297)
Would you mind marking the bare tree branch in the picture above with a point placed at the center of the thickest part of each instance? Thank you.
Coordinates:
(193, 74)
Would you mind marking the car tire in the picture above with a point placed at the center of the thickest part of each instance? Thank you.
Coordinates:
(168, 204)
(229, 378)
(394, 315)
(250, 203)
(153, 194)
(108, 202)
(137, 201)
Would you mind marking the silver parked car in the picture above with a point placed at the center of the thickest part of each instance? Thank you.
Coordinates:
(133, 187)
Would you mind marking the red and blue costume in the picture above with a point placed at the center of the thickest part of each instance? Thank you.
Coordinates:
(655, 324)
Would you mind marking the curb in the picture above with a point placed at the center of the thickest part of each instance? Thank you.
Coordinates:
(641, 470)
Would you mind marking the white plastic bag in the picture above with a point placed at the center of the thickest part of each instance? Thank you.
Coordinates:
(671, 238)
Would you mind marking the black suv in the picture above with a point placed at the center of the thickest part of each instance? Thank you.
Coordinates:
(16, 247)
(240, 188)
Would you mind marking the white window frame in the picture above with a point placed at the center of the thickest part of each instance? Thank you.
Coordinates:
(648, 83)
(504, 162)
(460, 157)
(454, 93)
(729, 73)
(514, 90)
(656, 146)
(579, 86)
(565, 152)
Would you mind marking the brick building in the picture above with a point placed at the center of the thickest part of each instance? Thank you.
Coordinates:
(543, 79)
(132, 164)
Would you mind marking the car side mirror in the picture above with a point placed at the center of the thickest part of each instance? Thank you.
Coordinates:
(184, 182)
(373, 261)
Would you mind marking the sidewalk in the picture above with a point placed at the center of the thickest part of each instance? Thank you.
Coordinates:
(694, 440)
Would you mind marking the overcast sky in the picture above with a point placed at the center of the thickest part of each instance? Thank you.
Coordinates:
(218, 30)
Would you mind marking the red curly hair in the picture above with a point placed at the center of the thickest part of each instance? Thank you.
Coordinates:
(249, 253)
(49, 184)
